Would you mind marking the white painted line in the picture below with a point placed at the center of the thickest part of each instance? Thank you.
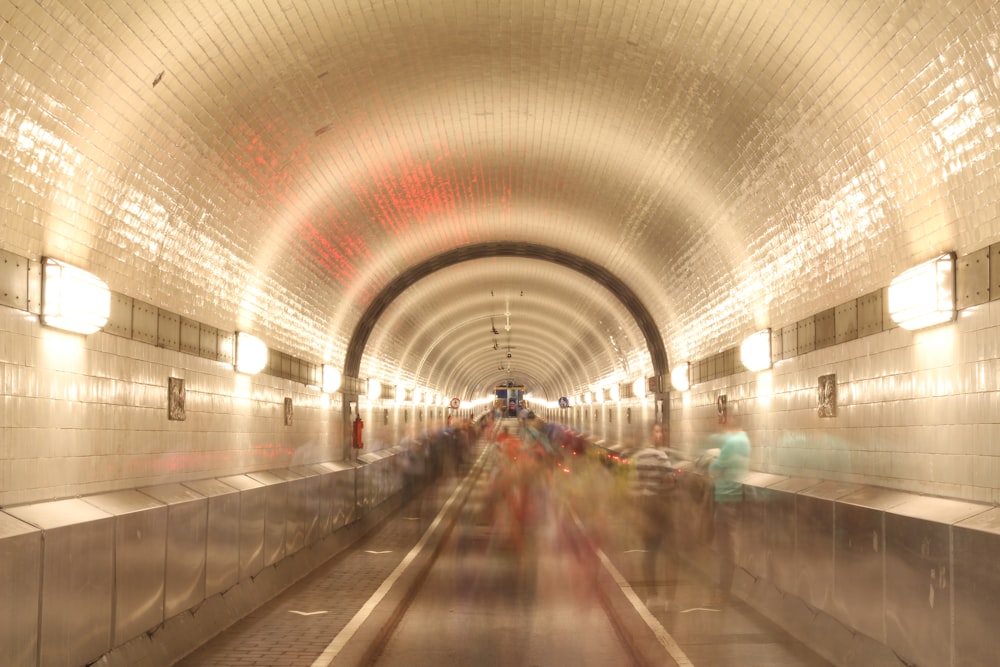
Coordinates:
(665, 638)
(369, 551)
(306, 613)
(334, 648)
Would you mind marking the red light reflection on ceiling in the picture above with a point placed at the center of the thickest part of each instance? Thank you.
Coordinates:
(267, 159)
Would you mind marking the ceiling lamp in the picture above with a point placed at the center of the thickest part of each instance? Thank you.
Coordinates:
(374, 389)
(924, 295)
(639, 388)
(680, 377)
(755, 352)
(73, 299)
(331, 379)
(251, 354)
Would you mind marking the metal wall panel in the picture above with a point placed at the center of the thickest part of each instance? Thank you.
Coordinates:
(806, 336)
(20, 590)
(780, 530)
(168, 330)
(994, 251)
(826, 328)
(311, 508)
(789, 341)
(222, 557)
(253, 503)
(859, 558)
(120, 320)
(296, 509)
(140, 560)
(846, 321)
(275, 514)
(145, 321)
(919, 577)
(870, 314)
(227, 347)
(756, 552)
(814, 542)
(972, 279)
(977, 589)
(190, 339)
(13, 280)
(187, 528)
(77, 580)
(208, 342)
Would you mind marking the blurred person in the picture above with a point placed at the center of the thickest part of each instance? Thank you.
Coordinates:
(728, 471)
(413, 465)
(650, 490)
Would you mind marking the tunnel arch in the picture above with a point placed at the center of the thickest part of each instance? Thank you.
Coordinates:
(622, 292)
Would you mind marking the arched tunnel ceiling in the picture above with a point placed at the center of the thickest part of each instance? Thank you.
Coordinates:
(275, 166)
(555, 330)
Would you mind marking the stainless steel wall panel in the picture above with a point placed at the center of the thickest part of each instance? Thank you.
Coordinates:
(222, 557)
(859, 558)
(846, 321)
(972, 279)
(806, 336)
(140, 560)
(780, 530)
(814, 542)
(190, 338)
(344, 509)
(977, 589)
(253, 504)
(870, 314)
(859, 568)
(919, 578)
(120, 319)
(13, 280)
(145, 322)
(310, 502)
(296, 509)
(275, 514)
(20, 590)
(826, 328)
(325, 499)
(789, 341)
(77, 579)
(187, 529)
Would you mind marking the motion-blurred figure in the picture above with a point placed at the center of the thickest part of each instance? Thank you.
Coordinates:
(651, 491)
(728, 471)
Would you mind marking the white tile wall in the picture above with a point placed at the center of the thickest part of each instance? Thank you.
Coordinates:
(90, 415)
(916, 411)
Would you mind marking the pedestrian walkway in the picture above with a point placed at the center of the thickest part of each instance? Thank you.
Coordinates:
(427, 587)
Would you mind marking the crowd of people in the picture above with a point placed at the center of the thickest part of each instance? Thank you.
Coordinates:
(669, 508)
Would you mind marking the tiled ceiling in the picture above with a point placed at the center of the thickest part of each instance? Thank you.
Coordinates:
(273, 166)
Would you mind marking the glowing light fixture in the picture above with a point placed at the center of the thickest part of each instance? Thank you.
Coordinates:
(400, 393)
(680, 376)
(73, 299)
(374, 389)
(639, 388)
(251, 354)
(615, 393)
(599, 395)
(924, 295)
(331, 379)
(755, 352)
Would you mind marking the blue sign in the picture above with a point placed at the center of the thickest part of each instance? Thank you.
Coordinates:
(563, 402)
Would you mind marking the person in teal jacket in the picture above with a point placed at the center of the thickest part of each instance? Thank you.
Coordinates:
(728, 471)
